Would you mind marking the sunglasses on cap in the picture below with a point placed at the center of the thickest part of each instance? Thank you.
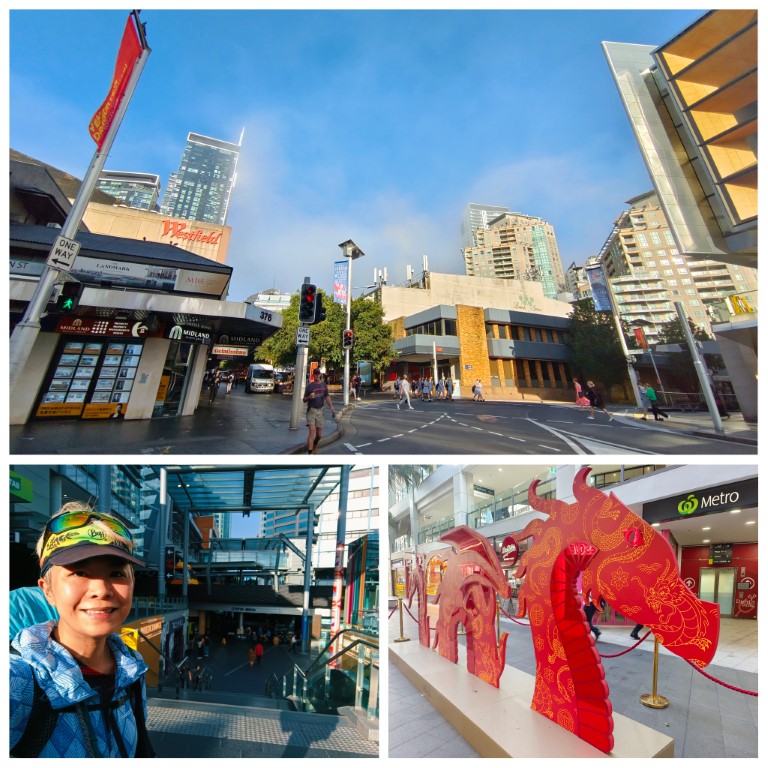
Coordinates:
(70, 520)
(74, 536)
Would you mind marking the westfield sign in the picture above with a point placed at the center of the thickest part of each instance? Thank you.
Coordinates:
(177, 229)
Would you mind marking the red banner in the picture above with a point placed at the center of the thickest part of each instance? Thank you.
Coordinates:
(127, 56)
(640, 338)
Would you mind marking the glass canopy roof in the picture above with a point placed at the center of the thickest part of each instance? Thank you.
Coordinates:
(248, 487)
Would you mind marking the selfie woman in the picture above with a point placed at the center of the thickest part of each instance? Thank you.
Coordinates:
(76, 689)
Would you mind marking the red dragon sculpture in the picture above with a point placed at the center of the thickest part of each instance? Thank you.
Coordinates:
(417, 586)
(622, 560)
(467, 595)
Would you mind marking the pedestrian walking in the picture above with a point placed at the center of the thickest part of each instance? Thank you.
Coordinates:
(315, 396)
(230, 382)
(426, 389)
(645, 402)
(581, 399)
(214, 388)
(76, 690)
(477, 391)
(396, 389)
(251, 656)
(440, 389)
(650, 393)
(259, 653)
(449, 387)
(405, 392)
(595, 401)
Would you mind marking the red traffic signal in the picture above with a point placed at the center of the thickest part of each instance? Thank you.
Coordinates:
(347, 339)
(308, 303)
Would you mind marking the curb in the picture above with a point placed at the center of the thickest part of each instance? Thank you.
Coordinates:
(332, 438)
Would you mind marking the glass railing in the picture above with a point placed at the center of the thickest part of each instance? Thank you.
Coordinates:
(509, 504)
(346, 673)
(141, 607)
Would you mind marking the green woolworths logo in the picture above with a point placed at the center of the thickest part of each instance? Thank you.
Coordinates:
(688, 506)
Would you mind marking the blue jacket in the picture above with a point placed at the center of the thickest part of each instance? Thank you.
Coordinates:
(61, 679)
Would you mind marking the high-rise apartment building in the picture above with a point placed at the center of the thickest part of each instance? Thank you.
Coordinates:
(202, 187)
(477, 216)
(648, 273)
(517, 247)
(136, 190)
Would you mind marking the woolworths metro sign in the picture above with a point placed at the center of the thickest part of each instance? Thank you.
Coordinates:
(703, 502)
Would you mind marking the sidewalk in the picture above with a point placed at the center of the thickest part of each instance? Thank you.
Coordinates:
(238, 423)
(242, 423)
(704, 718)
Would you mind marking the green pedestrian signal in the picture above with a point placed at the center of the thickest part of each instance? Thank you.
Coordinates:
(69, 297)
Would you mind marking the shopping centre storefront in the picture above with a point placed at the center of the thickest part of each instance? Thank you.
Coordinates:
(137, 342)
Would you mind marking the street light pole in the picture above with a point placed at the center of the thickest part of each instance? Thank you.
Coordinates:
(351, 252)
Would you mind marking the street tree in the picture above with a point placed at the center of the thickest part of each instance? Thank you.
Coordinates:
(594, 345)
(672, 332)
(373, 337)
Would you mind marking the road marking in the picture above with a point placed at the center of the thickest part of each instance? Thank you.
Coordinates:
(479, 429)
(519, 439)
(573, 446)
(549, 447)
(462, 424)
(383, 439)
(350, 447)
(232, 671)
(400, 435)
(498, 434)
(363, 445)
(411, 431)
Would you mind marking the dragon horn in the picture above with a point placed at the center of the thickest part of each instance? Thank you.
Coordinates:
(549, 507)
(581, 489)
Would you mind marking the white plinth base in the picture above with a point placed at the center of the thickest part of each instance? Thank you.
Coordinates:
(499, 722)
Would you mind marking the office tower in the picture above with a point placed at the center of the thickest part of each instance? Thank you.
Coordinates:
(202, 187)
(476, 217)
(136, 190)
(517, 247)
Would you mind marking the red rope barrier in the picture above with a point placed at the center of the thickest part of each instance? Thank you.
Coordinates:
(720, 682)
(512, 618)
(391, 612)
(410, 614)
(621, 653)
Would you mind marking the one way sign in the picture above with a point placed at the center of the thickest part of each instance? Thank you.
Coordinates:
(63, 254)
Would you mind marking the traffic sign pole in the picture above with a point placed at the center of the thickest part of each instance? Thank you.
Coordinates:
(299, 375)
(25, 333)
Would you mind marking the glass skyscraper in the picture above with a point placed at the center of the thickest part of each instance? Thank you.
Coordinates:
(136, 190)
(202, 187)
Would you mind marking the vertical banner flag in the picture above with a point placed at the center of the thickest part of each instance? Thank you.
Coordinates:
(340, 278)
(640, 338)
(599, 288)
(127, 56)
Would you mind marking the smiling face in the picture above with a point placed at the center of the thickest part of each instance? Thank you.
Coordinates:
(93, 598)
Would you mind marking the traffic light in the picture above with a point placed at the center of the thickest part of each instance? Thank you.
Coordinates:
(308, 304)
(320, 310)
(347, 339)
(69, 297)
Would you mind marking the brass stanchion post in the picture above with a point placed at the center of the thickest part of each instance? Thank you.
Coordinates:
(402, 638)
(653, 700)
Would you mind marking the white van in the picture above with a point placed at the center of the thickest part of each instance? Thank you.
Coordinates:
(260, 378)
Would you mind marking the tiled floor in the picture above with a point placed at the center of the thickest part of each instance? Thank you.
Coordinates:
(416, 729)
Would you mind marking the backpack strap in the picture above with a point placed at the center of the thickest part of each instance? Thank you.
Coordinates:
(40, 725)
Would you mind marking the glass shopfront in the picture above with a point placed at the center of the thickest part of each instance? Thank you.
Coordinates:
(89, 379)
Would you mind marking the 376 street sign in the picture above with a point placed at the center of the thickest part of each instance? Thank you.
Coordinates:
(63, 254)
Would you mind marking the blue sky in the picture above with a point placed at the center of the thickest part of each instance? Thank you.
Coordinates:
(379, 126)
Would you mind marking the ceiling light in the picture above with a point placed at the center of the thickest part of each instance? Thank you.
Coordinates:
(706, 541)
(706, 528)
(735, 511)
(655, 525)
(750, 522)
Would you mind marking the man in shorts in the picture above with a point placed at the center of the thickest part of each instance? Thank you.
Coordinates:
(315, 395)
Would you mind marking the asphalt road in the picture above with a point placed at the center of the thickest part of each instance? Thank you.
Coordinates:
(466, 427)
